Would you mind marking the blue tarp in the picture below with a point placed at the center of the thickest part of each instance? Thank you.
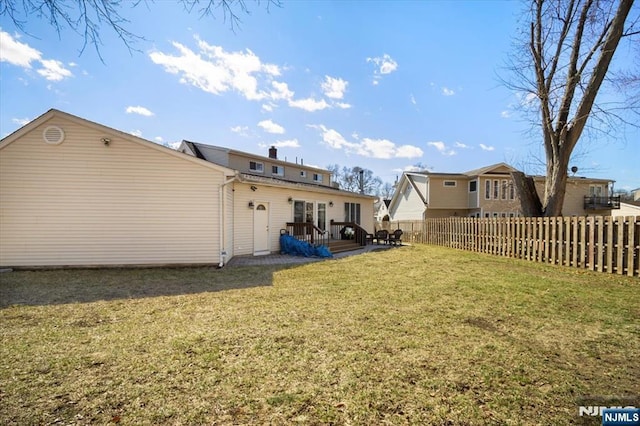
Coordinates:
(295, 247)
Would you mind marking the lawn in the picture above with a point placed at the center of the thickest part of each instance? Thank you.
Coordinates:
(413, 335)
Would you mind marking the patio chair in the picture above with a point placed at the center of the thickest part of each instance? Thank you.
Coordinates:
(395, 238)
(382, 236)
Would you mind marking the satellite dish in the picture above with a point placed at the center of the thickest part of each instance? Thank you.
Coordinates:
(574, 169)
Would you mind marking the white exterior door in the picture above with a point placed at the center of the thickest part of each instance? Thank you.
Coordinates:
(261, 229)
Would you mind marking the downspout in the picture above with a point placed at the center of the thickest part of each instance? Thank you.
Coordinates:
(222, 216)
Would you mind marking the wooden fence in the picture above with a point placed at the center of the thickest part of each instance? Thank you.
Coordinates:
(604, 244)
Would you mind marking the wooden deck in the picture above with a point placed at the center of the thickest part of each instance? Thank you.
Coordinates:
(339, 246)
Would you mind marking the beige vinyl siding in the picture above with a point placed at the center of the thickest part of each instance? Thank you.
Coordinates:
(448, 197)
(281, 212)
(473, 197)
(239, 161)
(500, 205)
(81, 203)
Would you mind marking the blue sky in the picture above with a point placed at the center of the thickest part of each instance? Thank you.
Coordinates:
(381, 85)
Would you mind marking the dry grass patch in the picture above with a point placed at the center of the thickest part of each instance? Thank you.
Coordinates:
(408, 336)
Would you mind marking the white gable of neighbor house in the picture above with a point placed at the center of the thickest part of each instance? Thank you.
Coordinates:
(408, 202)
(102, 197)
(382, 210)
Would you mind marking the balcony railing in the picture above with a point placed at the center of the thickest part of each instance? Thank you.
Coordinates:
(601, 203)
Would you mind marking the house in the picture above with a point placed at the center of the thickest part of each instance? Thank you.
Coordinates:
(382, 210)
(486, 192)
(78, 193)
(631, 208)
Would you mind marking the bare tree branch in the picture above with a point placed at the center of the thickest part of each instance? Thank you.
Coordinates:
(89, 18)
(564, 61)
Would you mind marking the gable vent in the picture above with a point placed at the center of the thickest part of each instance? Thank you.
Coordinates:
(53, 135)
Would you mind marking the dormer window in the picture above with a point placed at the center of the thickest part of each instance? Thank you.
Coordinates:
(255, 166)
(277, 170)
(317, 177)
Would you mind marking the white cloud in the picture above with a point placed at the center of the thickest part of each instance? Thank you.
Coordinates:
(136, 132)
(21, 121)
(413, 100)
(415, 168)
(460, 145)
(53, 70)
(139, 110)
(21, 54)
(442, 148)
(526, 99)
(271, 127)
(281, 91)
(241, 130)
(159, 139)
(367, 147)
(334, 87)
(342, 105)
(16, 53)
(486, 147)
(290, 143)
(217, 71)
(172, 145)
(384, 65)
(505, 114)
(268, 107)
(448, 92)
(309, 104)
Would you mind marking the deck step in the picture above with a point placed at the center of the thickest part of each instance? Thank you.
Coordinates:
(340, 246)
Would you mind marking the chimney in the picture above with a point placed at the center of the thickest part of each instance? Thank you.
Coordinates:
(273, 153)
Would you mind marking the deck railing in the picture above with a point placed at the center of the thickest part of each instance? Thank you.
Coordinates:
(308, 232)
(340, 231)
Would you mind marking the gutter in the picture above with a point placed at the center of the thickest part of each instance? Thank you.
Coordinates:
(221, 215)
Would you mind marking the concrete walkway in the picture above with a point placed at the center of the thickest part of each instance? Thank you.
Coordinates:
(285, 259)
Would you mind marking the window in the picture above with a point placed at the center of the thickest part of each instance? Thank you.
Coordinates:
(596, 190)
(473, 186)
(317, 177)
(496, 189)
(487, 189)
(256, 167)
(352, 212)
(503, 190)
(303, 173)
(450, 183)
(302, 211)
(512, 191)
(322, 216)
(277, 170)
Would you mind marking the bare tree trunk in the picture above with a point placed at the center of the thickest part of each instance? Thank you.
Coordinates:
(555, 183)
(526, 189)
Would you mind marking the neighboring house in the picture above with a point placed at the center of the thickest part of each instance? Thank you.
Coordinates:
(77, 193)
(382, 210)
(636, 194)
(628, 209)
(486, 192)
